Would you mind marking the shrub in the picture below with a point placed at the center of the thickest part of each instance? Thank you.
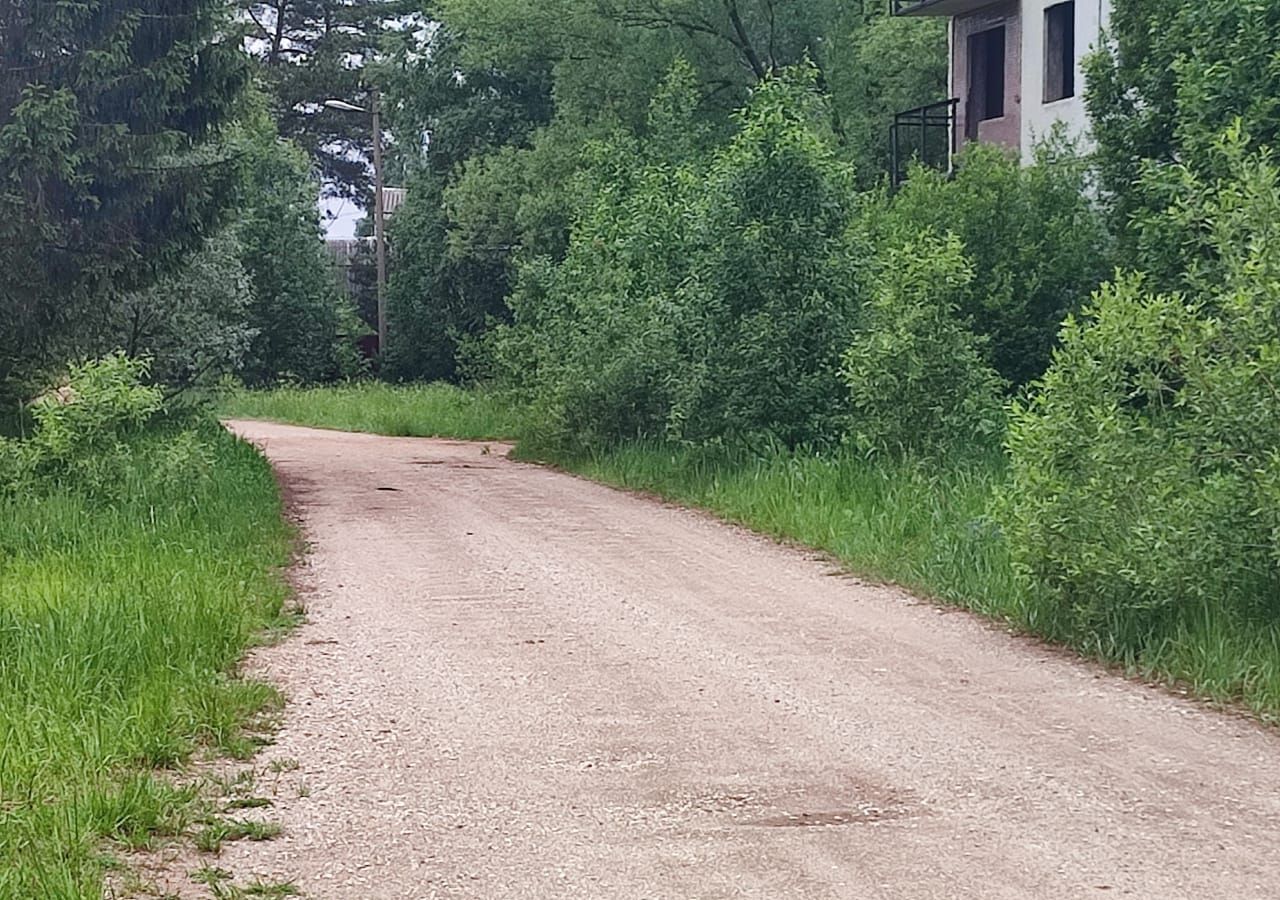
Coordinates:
(916, 375)
(773, 292)
(1145, 471)
(704, 297)
(592, 347)
(1037, 245)
(82, 427)
(1169, 79)
(193, 323)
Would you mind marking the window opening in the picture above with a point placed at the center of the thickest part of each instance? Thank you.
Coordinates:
(1060, 51)
(986, 78)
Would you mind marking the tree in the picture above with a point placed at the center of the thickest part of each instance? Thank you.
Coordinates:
(877, 66)
(108, 170)
(314, 50)
(438, 293)
(503, 161)
(303, 328)
(609, 57)
(1036, 242)
(705, 297)
(462, 107)
(1171, 79)
(193, 324)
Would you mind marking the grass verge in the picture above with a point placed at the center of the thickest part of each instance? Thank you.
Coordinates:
(121, 623)
(925, 526)
(430, 410)
(921, 524)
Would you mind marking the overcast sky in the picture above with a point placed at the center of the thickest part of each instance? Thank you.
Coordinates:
(339, 217)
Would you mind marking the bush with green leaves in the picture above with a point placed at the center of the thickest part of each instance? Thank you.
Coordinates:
(1145, 467)
(773, 291)
(100, 429)
(82, 426)
(592, 346)
(1170, 78)
(1037, 244)
(916, 373)
(193, 324)
(703, 297)
(606, 346)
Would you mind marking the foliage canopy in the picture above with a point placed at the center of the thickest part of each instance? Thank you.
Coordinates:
(108, 172)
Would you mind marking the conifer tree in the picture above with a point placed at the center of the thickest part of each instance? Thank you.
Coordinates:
(107, 170)
(315, 50)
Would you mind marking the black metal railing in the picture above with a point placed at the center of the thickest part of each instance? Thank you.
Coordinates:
(926, 134)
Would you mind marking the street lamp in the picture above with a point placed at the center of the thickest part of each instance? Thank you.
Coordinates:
(379, 234)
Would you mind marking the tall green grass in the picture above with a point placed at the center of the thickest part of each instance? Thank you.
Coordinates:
(430, 410)
(925, 525)
(121, 623)
(922, 524)
(919, 524)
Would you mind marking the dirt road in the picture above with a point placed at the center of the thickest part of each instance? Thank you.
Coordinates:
(517, 684)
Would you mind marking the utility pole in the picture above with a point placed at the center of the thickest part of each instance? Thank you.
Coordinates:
(379, 224)
(379, 211)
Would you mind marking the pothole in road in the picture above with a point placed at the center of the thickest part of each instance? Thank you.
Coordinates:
(865, 815)
(817, 808)
(450, 464)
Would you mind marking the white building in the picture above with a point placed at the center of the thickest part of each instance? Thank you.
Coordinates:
(1015, 71)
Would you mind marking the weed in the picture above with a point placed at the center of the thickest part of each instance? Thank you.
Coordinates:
(211, 876)
(249, 803)
(272, 889)
(219, 882)
(218, 831)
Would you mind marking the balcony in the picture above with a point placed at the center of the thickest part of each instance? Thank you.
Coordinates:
(926, 135)
(936, 7)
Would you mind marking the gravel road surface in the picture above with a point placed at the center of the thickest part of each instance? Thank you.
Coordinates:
(518, 684)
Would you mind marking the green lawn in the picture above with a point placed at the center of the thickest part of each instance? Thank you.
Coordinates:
(121, 624)
(921, 524)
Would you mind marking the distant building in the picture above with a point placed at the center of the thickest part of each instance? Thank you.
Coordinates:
(393, 199)
(1014, 72)
(352, 255)
(345, 253)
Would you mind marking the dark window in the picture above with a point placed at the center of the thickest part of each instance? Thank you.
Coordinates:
(986, 77)
(1060, 51)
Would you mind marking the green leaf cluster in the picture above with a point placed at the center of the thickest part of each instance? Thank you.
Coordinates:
(82, 428)
(1146, 463)
(1037, 243)
(750, 294)
(917, 375)
(703, 298)
(1172, 77)
(511, 94)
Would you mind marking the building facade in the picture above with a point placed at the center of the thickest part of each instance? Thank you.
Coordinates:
(1015, 71)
